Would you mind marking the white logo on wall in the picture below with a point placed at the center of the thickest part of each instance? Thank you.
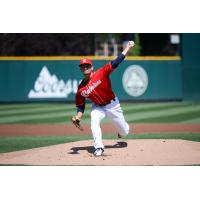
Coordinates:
(48, 86)
(135, 80)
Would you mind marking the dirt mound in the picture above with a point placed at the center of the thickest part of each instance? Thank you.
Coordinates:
(126, 152)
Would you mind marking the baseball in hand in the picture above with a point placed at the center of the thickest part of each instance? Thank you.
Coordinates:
(132, 43)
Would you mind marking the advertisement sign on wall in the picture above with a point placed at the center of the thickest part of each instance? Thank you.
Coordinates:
(50, 80)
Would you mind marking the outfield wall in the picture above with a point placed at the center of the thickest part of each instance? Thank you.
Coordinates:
(56, 78)
(191, 66)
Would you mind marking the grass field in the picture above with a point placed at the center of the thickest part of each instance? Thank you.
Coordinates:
(9, 144)
(170, 112)
(39, 113)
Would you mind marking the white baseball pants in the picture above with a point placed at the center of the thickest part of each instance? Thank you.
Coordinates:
(114, 112)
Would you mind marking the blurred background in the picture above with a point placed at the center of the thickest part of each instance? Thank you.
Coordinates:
(98, 44)
(44, 67)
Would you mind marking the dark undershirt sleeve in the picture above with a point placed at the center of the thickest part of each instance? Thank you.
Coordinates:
(117, 61)
(81, 108)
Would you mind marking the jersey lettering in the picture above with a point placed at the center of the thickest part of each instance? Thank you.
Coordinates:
(86, 93)
(98, 89)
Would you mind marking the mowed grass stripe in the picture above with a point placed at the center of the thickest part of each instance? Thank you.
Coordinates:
(50, 114)
(57, 116)
(172, 118)
(155, 108)
(169, 118)
(71, 107)
(66, 118)
(192, 121)
(12, 107)
(37, 110)
(138, 106)
(19, 106)
(47, 116)
(40, 116)
(161, 113)
(86, 118)
(63, 119)
(23, 109)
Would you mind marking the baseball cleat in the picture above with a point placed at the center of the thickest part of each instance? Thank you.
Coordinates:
(99, 152)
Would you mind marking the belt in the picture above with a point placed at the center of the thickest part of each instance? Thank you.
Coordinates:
(107, 102)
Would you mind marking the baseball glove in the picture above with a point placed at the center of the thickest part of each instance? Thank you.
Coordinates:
(76, 121)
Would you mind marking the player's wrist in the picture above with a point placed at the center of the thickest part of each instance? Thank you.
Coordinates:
(78, 116)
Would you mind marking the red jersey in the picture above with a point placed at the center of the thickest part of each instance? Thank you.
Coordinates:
(98, 88)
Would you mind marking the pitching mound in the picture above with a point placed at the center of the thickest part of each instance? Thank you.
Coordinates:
(127, 152)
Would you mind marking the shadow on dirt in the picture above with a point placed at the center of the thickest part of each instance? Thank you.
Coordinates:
(90, 149)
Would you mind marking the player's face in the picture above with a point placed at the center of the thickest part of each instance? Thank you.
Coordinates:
(86, 69)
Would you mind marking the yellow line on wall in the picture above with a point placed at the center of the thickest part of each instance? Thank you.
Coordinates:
(91, 57)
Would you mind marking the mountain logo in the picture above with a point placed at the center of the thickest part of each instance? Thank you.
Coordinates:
(49, 86)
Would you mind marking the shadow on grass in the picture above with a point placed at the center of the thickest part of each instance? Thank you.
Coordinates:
(90, 149)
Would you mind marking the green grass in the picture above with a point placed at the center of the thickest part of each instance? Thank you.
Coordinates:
(162, 112)
(10, 144)
(39, 113)
(176, 118)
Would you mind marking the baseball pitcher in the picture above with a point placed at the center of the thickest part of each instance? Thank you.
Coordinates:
(96, 86)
